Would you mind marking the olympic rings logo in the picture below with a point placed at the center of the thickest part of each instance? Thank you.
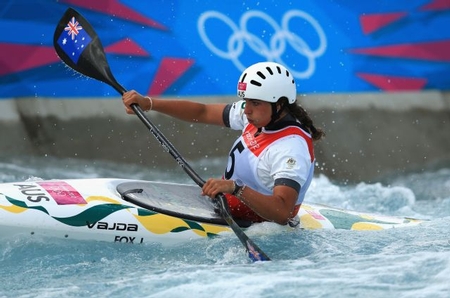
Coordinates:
(278, 42)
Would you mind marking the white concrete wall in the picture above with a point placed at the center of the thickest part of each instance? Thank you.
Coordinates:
(368, 137)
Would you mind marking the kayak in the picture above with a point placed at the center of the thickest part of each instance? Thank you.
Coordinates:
(136, 211)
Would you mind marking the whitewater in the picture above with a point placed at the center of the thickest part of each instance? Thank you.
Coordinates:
(404, 262)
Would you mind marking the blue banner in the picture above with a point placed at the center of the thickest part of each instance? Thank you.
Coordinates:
(187, 48)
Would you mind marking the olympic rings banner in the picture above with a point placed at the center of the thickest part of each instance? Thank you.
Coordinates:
(199, 48)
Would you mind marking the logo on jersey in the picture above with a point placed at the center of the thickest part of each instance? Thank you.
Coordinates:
(291, 163)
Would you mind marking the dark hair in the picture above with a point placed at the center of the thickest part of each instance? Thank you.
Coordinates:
(301, 115)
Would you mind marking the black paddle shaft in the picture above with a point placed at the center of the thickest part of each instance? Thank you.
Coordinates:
(78, 46)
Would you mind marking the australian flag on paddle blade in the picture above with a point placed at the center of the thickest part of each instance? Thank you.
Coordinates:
(74, 40)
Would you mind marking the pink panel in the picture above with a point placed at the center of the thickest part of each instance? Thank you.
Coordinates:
(168, 72)
(62, 192)
(431, 51)
(126, 47)
(373, 22)
(393, 83)
(114, 7)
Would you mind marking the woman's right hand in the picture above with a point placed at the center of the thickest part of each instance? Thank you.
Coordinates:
(133, 96)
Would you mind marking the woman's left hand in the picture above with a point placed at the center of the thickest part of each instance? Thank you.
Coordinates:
(213, 187)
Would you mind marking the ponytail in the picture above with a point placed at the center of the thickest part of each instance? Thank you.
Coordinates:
(301, 115)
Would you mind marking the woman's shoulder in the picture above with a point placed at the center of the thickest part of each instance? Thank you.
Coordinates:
(235, 114)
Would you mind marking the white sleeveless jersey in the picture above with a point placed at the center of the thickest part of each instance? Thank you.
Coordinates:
(259, 160)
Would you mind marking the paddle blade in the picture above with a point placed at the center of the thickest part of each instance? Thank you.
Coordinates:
(255, 253)
(78, 46)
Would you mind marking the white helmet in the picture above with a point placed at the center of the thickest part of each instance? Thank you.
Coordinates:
(267, 81)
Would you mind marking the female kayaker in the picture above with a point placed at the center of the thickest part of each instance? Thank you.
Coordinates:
(271, 165)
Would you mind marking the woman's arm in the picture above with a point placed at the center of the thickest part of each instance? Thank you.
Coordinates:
(277, 207)
(189, 111)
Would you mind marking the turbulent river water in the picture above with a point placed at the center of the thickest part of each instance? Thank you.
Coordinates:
(405, 262)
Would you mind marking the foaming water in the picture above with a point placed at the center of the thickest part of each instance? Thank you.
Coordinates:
(406, 262)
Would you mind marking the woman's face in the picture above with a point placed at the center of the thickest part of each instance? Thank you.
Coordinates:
(258, 112)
